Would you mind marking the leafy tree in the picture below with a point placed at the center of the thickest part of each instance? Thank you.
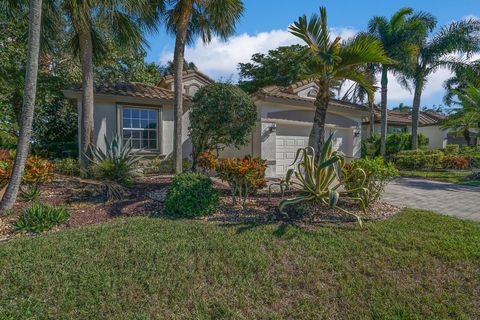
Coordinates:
(436, 52)
(222, 115)
(330, 60)
(169, 68)
(402, 108)
(399, 37)
(187, 19)
(282, 67)
(26, 118)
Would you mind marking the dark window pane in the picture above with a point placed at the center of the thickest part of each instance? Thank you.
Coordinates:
(152, 125)
(144, 124)
(136, 134)
(144, 114)
(152, 115)
(127, 123)
(135, 113)
(127, 113)
(135, 123)
(152, 135)
(127, 134)
(153, 144)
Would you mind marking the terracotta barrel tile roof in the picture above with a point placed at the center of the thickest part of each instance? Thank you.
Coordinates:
(130, 89)
(424, 119)
(287, 93)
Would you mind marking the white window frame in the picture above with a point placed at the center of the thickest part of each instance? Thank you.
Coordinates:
(158, 109)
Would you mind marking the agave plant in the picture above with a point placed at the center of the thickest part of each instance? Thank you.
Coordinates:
(320, 180)
(117, 163)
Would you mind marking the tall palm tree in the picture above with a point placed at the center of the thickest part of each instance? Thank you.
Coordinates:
(398, 36)
(436, 52)
(331, 60)
(90, 22)
(26, 121)
(187, 19)
(465, 75)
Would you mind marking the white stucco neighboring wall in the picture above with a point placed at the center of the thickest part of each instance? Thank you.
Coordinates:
(437, 138)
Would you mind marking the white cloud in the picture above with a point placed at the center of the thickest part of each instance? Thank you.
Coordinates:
(219, 59)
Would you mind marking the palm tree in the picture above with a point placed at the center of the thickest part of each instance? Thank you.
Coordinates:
(436, 52)
(187, 19)
(465, 75)
(330, 61)
(91, 22)
(462, 122)
(398, 37)
(26, 121)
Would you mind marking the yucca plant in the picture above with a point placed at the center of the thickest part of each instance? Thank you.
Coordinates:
(321, 180)
(117, 163)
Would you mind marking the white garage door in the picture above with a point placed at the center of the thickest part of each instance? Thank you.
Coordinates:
(287, 145)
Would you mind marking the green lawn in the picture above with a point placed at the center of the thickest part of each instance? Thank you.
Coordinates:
(416, 265)
(453, 177)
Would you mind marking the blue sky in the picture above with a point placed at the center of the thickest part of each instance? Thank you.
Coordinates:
(265, 22)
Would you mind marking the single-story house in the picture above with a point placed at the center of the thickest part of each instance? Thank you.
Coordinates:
(429, 123)
(144, 113)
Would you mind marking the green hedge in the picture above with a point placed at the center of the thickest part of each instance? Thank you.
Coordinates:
(191, 195)
(396, 142)
(420, 159)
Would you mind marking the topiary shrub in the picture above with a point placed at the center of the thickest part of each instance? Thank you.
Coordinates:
(41, 217)
(191, 195)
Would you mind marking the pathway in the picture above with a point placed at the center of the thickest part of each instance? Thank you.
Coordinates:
(451, 199)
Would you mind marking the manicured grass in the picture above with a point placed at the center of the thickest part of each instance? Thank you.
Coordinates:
(447, 176)
(416, 265)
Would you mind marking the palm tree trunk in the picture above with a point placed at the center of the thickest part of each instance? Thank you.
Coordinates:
(384, 116)
(466, 135)
(372, 119)
(178, 60)
(23, 145)
(415, 113)
(317, 134)
(86, 60)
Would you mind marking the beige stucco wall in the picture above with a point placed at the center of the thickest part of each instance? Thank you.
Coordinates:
(437, 138)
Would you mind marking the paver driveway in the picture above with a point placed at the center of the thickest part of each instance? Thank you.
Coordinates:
(442, 197)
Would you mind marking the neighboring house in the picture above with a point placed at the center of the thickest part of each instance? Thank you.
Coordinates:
(398, 122)
(144, 113)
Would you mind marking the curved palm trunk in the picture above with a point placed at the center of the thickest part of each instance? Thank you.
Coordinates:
(86, 60)
(317, 134)
(178, 60)
(23, 145)
(415, 113)
(384, 111)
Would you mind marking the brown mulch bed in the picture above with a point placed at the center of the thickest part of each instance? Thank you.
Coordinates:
(86, 208)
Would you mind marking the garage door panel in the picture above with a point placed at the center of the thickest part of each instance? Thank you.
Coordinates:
(287, 145)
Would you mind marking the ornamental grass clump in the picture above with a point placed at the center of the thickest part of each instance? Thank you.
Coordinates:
(41, 217)
(321, 180)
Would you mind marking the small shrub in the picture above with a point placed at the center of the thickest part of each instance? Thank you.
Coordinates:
(472, 154)
(191, 195)
(420, 159)
(41, 217)
(159, 165)
(377, 175)
(67, 166)
(37, 170)
(32, 193)
(118, 163)
(451, 149)
(244, 176)
(454, 162)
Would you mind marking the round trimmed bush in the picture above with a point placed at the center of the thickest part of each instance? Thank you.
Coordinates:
(191, 195)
